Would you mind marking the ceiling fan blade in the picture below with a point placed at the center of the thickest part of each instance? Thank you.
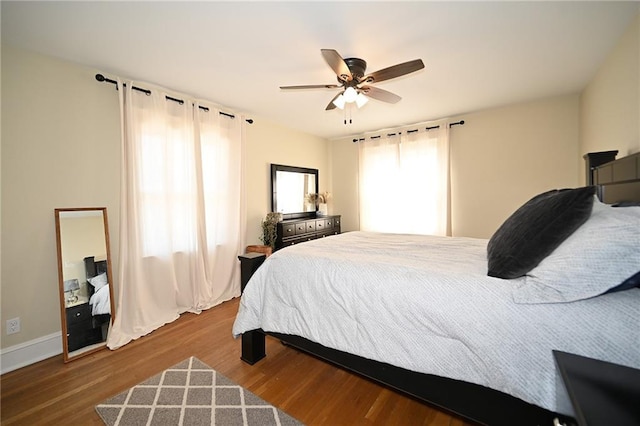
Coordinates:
(393, 71)
(337, 64)
(380, 94)
(331, 104)
(312, 86)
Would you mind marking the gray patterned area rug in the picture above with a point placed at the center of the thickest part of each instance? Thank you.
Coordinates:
(190, 393)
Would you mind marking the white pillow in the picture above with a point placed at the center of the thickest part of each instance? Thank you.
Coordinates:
(600, 255)
(99, 281)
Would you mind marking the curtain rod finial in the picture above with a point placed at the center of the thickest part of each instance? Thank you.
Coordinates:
(100, 77)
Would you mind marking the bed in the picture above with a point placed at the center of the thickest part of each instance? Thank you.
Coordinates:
(98, 291)
(406, 311)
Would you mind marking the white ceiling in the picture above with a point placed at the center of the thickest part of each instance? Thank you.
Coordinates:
(477, 54)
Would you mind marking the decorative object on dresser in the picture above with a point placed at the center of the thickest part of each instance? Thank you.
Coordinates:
(297, 231)
(321, 201)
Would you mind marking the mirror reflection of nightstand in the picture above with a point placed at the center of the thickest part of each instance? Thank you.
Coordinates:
(80, 330)
(601, 393)
(75, 301)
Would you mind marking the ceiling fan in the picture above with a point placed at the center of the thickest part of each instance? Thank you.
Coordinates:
(355, 84)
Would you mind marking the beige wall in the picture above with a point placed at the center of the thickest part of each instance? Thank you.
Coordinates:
(610, 104)
(500, 158)
(61, 148)
(270, 143)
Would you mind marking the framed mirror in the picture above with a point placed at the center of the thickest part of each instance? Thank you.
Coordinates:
(290, 188)
(84, 279)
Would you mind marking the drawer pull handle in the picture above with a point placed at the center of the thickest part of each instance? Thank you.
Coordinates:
(77, 314)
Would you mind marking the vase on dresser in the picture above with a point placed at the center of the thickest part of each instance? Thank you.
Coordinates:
(322, 209)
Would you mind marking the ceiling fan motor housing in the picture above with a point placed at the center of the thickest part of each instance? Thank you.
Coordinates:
(357, 67)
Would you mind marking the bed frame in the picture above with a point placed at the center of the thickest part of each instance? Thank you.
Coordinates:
(617, 181)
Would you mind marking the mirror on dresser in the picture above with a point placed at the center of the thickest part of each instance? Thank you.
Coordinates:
(84, 278)
(290, 189)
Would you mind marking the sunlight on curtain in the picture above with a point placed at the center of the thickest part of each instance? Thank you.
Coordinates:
(404, 182)
(182, 221)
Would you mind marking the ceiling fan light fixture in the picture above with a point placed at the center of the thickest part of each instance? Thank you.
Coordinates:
(361, 100)
(339, 101)
(350, 95)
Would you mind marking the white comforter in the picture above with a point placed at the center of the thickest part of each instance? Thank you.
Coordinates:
(427, 305)
(101, 301)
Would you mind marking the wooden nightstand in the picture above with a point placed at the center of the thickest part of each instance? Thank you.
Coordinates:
(80, 331)
(601, 393)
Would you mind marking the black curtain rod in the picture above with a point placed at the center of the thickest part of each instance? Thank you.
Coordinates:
(102, 78)
(457, 123)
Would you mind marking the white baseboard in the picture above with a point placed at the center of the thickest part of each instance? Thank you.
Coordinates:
(30, 352)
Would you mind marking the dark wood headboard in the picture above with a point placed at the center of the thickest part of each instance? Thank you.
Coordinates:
(93, 269)
(619, 181)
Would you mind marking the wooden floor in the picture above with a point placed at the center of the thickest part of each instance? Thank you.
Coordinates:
(53, 393)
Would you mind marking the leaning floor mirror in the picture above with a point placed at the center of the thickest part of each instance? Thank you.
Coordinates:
(85, 277)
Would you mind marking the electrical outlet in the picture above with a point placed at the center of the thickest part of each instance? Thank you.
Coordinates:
(13, 325)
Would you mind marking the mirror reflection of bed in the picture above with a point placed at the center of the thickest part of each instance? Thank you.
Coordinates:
(85, 292)
(99, 295)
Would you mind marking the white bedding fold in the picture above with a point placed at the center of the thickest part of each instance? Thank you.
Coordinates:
(425, 303)
(101, 301)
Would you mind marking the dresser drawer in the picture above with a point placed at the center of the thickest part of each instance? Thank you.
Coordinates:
(321, 225)
(311, 225)
(78, 314)
(301, 228)
(288, 230)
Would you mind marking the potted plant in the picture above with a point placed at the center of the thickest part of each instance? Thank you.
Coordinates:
(269, 229)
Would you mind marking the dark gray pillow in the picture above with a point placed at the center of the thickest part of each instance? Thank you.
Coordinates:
(533, 231)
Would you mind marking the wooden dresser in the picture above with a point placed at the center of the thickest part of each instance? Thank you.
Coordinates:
(618, 180)
(297, 231)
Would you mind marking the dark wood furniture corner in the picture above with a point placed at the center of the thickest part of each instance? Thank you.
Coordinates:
(295, 231)
(600, 392)
(595, 159)
(249, 263)
(619, 180)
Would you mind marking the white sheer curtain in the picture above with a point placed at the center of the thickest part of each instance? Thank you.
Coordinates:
(404, 181)
(182, 216)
